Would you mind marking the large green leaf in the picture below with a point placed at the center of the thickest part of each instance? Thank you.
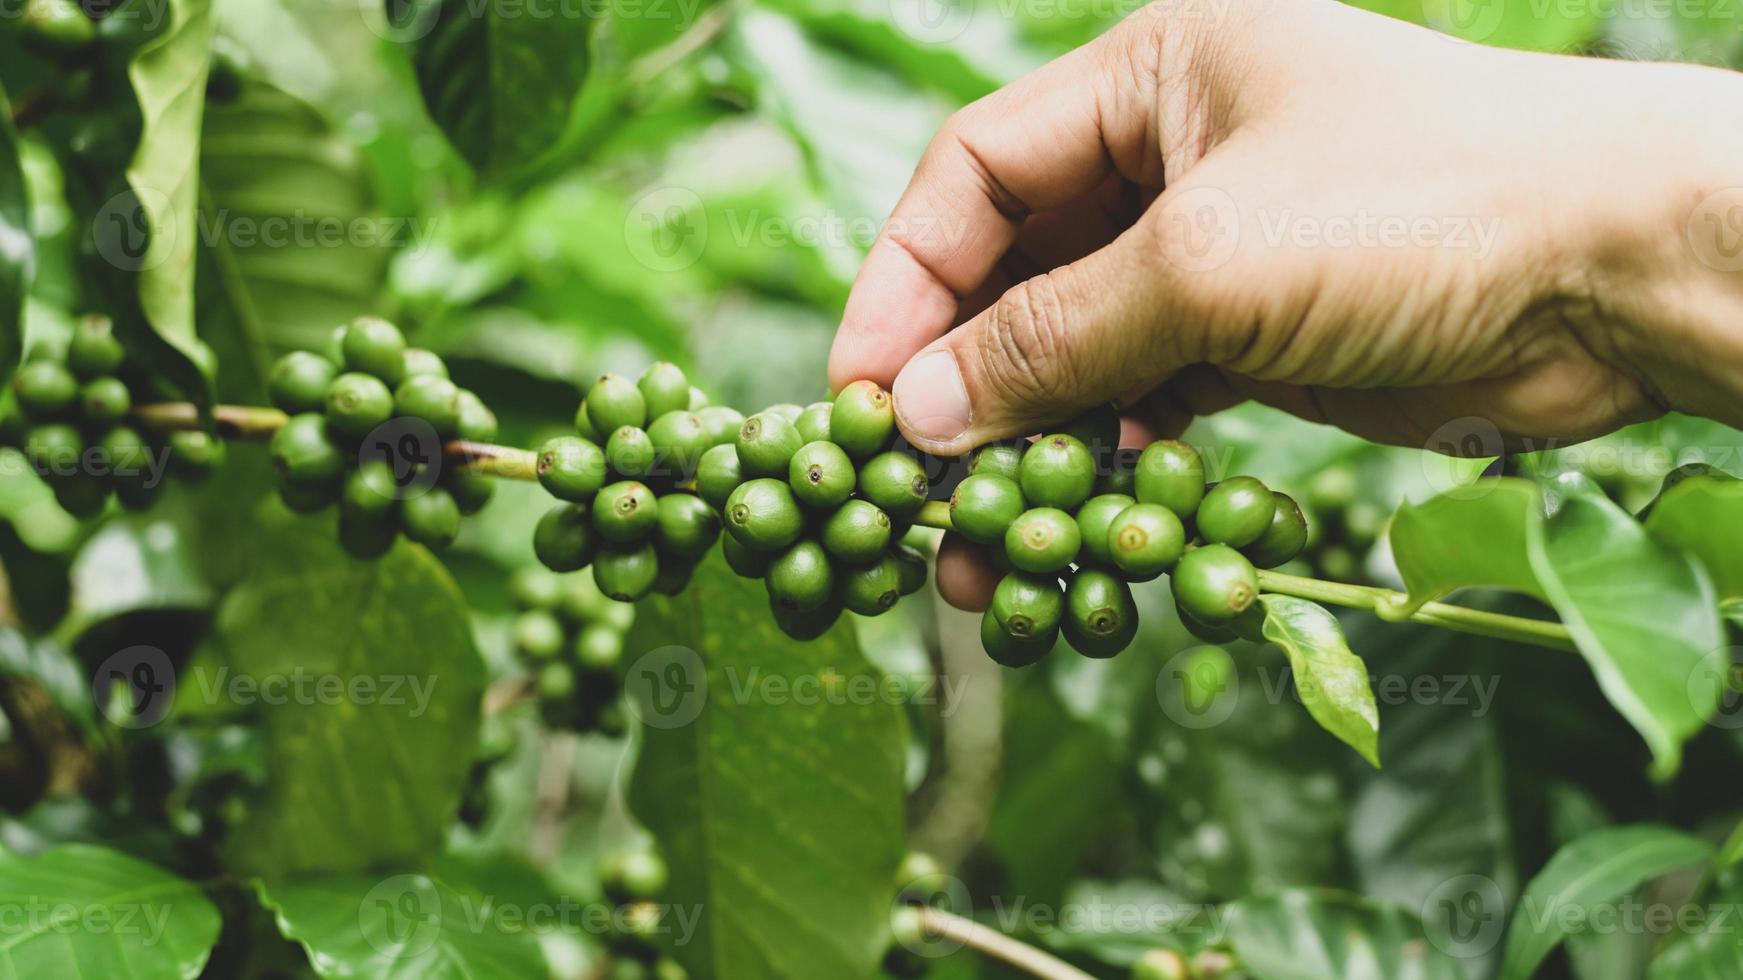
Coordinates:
(445, 924)
(1590, 872)
(1644, 616)
(1332, 681)
(295, 243)
(82, 911)
(17, 245)
(372, 774)
(1713, 949)
(1704, 517)
(1530, 27)
(1432, 541)
(1325, 935)
(500, 81)
(778, 806)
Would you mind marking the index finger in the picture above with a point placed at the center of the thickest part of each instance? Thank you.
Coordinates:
(1041, 142)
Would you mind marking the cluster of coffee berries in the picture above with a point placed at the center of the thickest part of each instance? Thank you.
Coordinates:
(815, 503)
(627, 510)
(1070, 540)
(1345, 526)
(368, 420)
(72, 417)
(571, 636)
(632, 882)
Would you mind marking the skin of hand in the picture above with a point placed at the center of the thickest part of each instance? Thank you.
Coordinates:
(1350, 218)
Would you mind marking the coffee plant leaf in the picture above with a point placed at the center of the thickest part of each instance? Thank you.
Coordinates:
(1301, 934)
(1332, 681)
(444, 923)
(1097, 920)
(761, 757)
(1710, 949)
(1704, 517)
(498, 82)
(1562, 29)
(1435, 542)
(1643, 615)
(371, 775)
(89, 911)
(17, 245)
(1585, 875)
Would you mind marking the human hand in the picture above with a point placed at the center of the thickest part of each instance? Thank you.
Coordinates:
(1349, 218)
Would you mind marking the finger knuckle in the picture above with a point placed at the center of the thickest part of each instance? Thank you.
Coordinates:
(1025, 353)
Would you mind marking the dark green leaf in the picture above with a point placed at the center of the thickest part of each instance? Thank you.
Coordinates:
(17, 245)
(138, 562)
(1332, 681)
(1122, 920)
(499, 81)
(371, 774)
(1704, 517)
(1325, 935)
(779, 813)
(84, 911)
(1592, 871)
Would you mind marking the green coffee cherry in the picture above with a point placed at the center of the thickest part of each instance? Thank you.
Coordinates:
(357, 403)
(858, 532)
(699, 399)
(584, 425)
(45, 389)
(802, 577)
(1120, 475)
(582, 602)
(555, 682)
(675, 573)
(303, 454)
(1161, 964)
(745, 562)
(911, 564)
(630, 452)
(1283, 539)
(1043, 539)
(821, 475)
(721, 423)
(431, 518)
(687, 526)
(300, 381)
(80, 493)
(984, 506)
(806, 624)
(54, 448)
(434, 399)
(571, 468)
(1093, 520)
(1214, 584)
(863, 420)
(374, 346)
(538, 634)
(679, 440)
(1145, 540)
(1010, 651)
(998, 459)
(598, 648)
(471, 490)
(128, 456)
(477, 421)
(633, 876)
(813, 422)
(625, 512)
(104, 402)
(370, 490)
(763, 515)
(871, 590)
(1100, 617)
(1028, 606)
(421, 362)
(718, 474)
(195, 454)
(94, 351)
(1236, 512)
(626, 572)
(1057, 471)
(786, 410)
(309, 498)
(1170, 473)
(564, 539)
(333, 348)
(614, 402)
(1098, 429)
(367, 536)
(766, 444)
(664, 389)
(895, 482)
(533, 587)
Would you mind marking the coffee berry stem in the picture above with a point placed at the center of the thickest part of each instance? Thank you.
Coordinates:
(998, 946)
(255, 423)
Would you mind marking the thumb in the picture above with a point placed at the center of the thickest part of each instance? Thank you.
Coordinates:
(1051, 346)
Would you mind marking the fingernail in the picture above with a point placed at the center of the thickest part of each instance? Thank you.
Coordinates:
(931, 398)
